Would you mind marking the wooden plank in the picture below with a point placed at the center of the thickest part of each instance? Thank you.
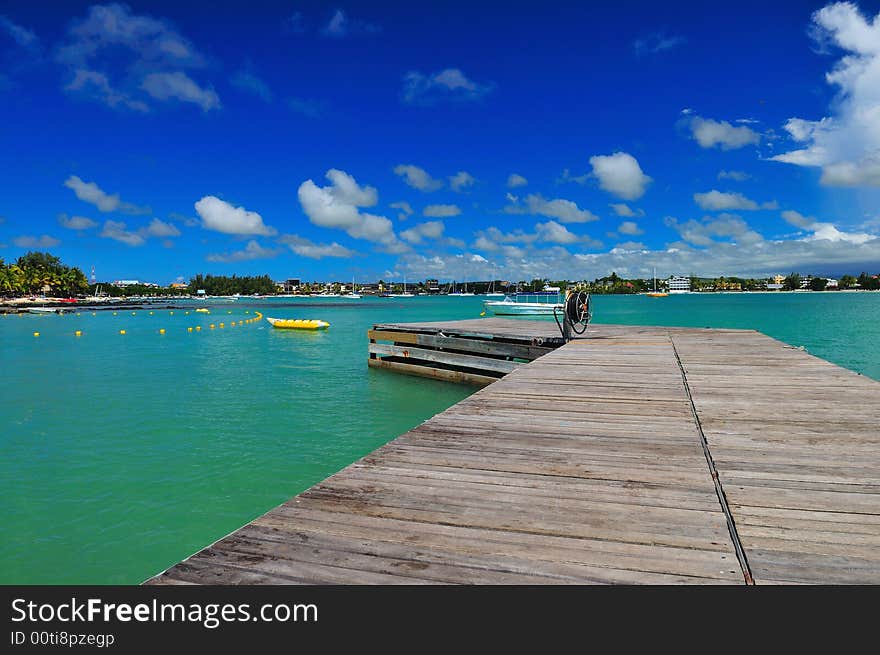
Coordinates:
(586, 466)
(443, 357)
(494, 347)
(430, 372)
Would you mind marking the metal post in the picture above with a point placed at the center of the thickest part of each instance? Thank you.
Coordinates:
(566, 322)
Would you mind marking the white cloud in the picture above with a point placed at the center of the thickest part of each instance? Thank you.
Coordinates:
(112, 54)
(620, 174)
(577, 179)
(448, 84)
(461, 181)
(566, 211)
(622, 209)
(553, 232)
(737, 176)
(246, 81)
(427, 230)
(515, 180)
(710, 133)
(21, 35)
(220, 216)
(164, 86)
(441, 211)
(340, 25)
(417, 178)
(118, 231)
(630, 227)
(252, 250)
(846, 144)
(336, 206)
(705, 232)
(76, 222)
(825, 231)
(718, 201)
(306, 248)
(90, 192)
(798, 219)
(405, 209)
(657, 42)
(160, 229)
(42, 242)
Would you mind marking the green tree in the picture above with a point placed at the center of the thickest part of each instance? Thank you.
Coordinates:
(792, 282)
(846, 282)
(818, 284)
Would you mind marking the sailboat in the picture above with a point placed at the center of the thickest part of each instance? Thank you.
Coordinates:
(404, 294)
(492, 293)
(655, 293)
(460, 293)
(353, 293)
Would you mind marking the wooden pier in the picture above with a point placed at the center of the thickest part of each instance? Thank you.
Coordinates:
(629, 455)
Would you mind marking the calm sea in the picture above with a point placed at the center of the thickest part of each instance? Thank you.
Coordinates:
(121, 455)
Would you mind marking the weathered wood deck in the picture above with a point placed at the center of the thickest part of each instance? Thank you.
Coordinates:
(633, 455)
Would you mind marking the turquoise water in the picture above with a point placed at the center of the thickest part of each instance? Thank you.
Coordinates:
(121, 455)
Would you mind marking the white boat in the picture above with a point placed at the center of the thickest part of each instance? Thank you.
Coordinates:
(492, 293)
(404, 294)
(44, 310)
(464, 293)
(524, 305)
(353, 293)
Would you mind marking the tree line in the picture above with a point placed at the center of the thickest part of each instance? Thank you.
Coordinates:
(223, 285)
(40, 272)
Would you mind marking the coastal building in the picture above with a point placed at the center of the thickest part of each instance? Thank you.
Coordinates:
(178, 285)
(778, 279)
(432, 286)
(679, 284)
(831, 283)
(805, 282)
(289, 285)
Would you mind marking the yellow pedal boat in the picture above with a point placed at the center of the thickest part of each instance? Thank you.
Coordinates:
(203, 310)
(298, 323)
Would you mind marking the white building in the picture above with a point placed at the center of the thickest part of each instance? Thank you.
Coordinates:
(679, 284)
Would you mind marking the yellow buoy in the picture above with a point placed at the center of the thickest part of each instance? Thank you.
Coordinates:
(212, 326)
(94, 314)
(133, 313)
(36, 334)
(78, 333)
(247, 311)
(228, 312)
(114, 313)
(189, 329)
(122, 332)
(186, 313)
(161, 330)
(198, 328)
(172, 313)
(151, 313)
(221, 325)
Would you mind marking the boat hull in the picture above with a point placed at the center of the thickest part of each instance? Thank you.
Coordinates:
(522, 309)
(297, 324)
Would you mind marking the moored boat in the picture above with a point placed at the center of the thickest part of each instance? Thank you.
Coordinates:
(297, 323)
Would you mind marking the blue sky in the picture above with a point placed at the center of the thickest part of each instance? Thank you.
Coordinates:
(453, 140)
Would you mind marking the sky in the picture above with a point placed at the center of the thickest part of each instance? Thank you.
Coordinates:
(451, 140)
